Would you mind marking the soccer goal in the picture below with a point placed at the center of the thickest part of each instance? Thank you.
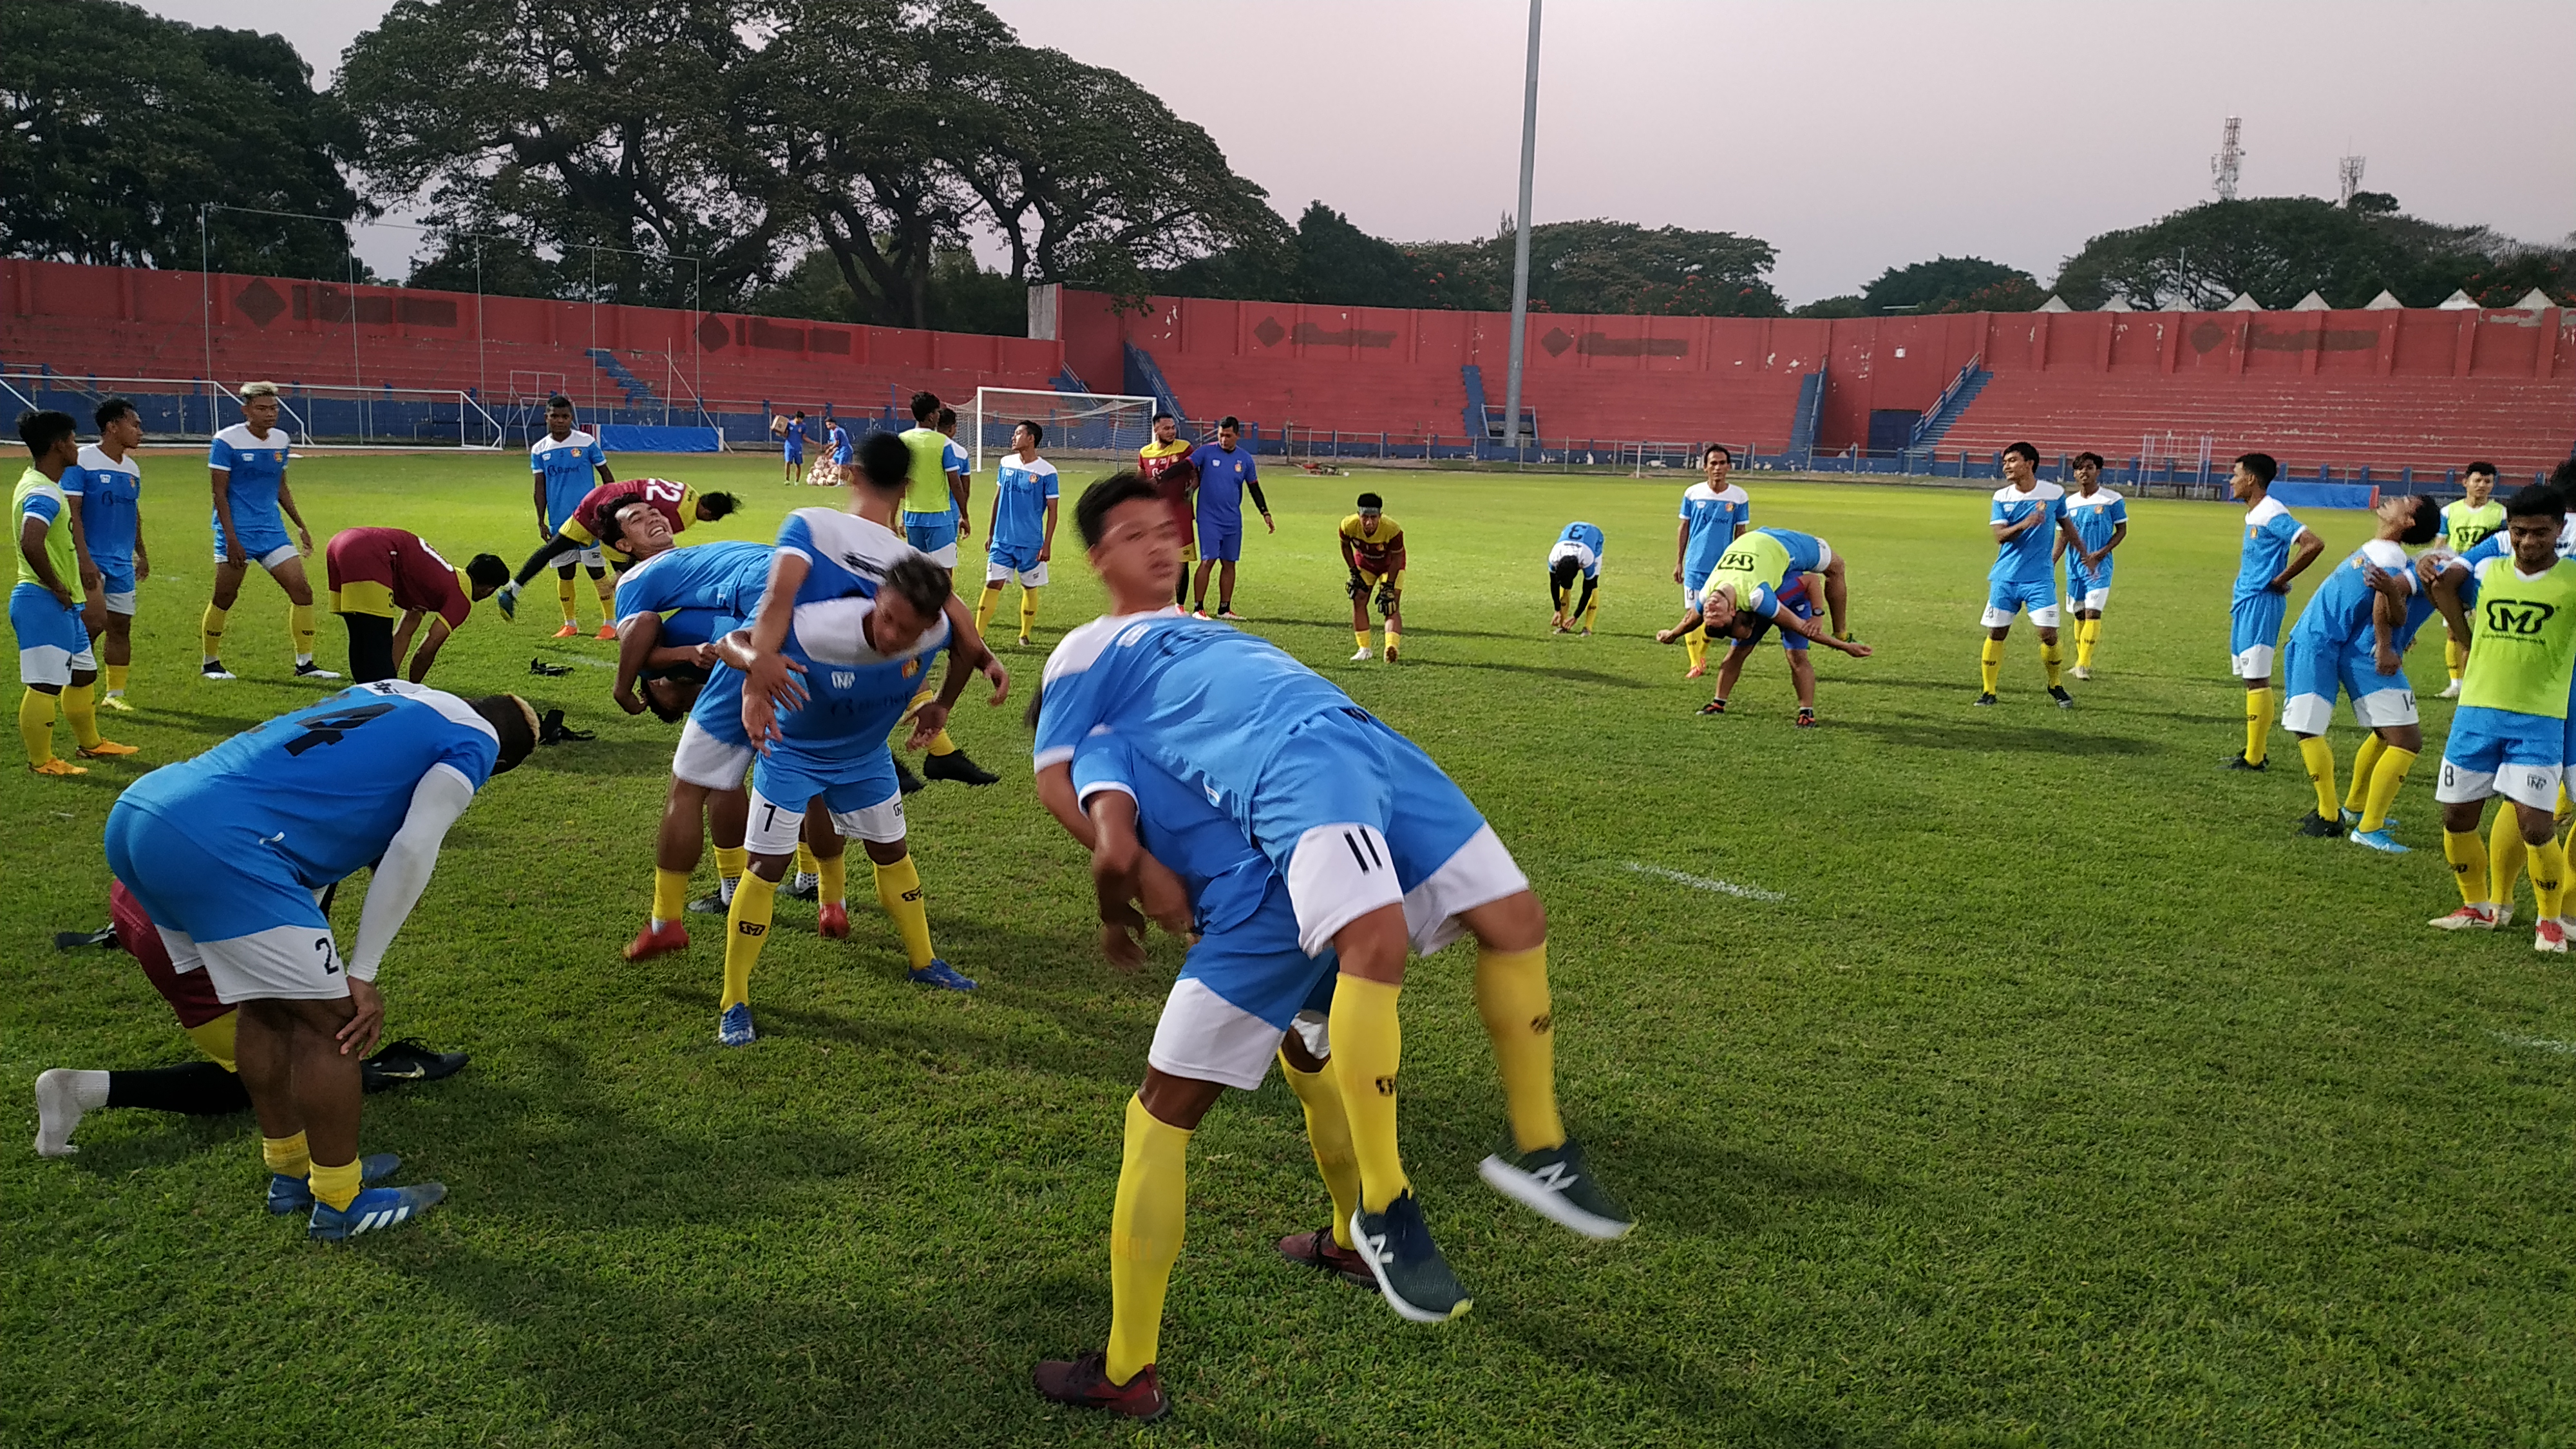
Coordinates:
(1099, 424)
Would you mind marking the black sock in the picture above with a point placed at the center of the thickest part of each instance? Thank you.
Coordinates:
(199, 1089)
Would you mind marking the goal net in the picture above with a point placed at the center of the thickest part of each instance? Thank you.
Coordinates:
(1089, 424)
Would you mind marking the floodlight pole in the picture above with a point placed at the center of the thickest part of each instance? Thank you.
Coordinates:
(1521, 242)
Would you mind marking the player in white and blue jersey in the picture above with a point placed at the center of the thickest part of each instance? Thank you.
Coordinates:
(2101, 521)
(46, 606)
(1575, 555)
(2277, 549)
(1226, 471)
(106, 486)
(565, 465)
(2351, 639)
(2027, 517)
(1019, 537)
(1714, 514)
(228, 853)
(247, 462)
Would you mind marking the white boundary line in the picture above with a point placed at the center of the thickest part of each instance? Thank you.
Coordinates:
(2536, 1043)
(1701, 882)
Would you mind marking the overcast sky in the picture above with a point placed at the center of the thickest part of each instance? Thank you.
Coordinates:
(1853, 135)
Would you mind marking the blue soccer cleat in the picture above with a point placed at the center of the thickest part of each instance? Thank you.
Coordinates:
(1411, 1275)
(506, 599)
(734, 1027)
(942, 975)
(2353, 817)
(2378, 840)
(295, 1194)
(373, 1210)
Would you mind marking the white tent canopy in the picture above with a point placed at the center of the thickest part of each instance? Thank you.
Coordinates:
(2313, 302)
(2386, 301)
(2458, 301)
(2244, 303)
(2118, 303)
(2055, 303)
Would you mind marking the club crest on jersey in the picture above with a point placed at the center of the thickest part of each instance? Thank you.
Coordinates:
(911, 667)
(844, 678)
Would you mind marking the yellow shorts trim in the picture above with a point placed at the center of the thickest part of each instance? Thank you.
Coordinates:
(360, 597)
(215, 1039)
(1370, 580)
(1190, 552)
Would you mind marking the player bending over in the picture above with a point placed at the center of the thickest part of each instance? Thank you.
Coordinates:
(679, 504)
(2351, 638)
(2276, 550)
(2026, 515)
(1019, 538)
(1745, 633)
(1373, 549)
(2100, 519)
(227, 851)
(2467, 522)
(1576, 555)
(567, 463)
(108, 484)
(54, 659)
(1746, 583)
(1714, 515)
(247, 463)
(1225, 471)
(379, 575)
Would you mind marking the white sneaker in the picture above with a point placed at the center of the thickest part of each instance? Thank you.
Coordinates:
(1363, 654)
(2450, 691)
(213, 669)
(2080, 672)
(2467, 918)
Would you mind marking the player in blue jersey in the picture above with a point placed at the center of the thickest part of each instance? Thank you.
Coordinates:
(2351, 639)
(1019, 537)
(959, 467)
(107, 486)
(1798, 600)
(792, 441)
(2101, 522)
(45, 605)
(227, 853)
(1379, 850)
(1714, 514)
(1226, 469)
(247, 462)
(1575, 555)
(2277, 549)
(565, 465)
(839, 449)
(2028, 515)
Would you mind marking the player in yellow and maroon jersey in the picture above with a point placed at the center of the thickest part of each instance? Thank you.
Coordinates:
(379, 575)
(1373, 546)
(1166, 464)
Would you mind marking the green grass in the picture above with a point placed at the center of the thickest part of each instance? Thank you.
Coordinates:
(2066, 1098)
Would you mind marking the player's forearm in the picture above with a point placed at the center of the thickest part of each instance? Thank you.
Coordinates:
(555, 547)
(539, 500)
(286, 501)
(952, 684)
(31, 547)
(965, 642)
(2305, 554)
(402, 635)
(778, 604)
(1056, 793)
(404, 872)
(428, 654)
(606, 477)
(636, 639)
(1259, 503)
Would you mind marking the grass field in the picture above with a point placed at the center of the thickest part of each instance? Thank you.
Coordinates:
(2061, 1096)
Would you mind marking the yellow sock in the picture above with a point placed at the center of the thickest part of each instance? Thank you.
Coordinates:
(80, 706)
(36, 725)
(285, 1156)
(2504, 856)
(1990, 663)
(2468, 857)
(2258, 725)
(215, 1038)
(299, 627)
(2384, 783)
(940, 743)
(2052, 661)
(210, 630)
(1328, 1132)
(1367, 1045)
(832, 880)
(2318, 756)
(670, 895)
(746, 930)
(1695, 644)
(116, 677)
(2364, 761)
(805, 863)
(337, 1186)
(1028, 611)
(730, 860)
(606, 584)
(2086, 631)
(1392, 640)
(899, 891)
(985, 606)
(2454, 658)
(564, 596)
(1511, 995)
(1145, 1237)
(1592, 611)
(1360, 637)
(2549, 877)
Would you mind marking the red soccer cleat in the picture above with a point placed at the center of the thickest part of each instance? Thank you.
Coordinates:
(1084, 1383)
(606, 631)
(1318, 1250)
(659, 940)
(832, 923)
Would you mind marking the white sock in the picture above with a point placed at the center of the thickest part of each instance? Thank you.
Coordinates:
(62, 1095)
(659, 923)
(806, 880)
(725, 885)
(302, 659)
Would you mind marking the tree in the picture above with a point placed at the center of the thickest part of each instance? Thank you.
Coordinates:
(1941, 283)
(119, 125)
(1847, 305)
(2281, 248)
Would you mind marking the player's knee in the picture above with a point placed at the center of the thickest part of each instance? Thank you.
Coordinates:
(771, 868)
(46, 688)
(84, 678)
(1372, 945)
(886, 852)
(1177, 1101)
(1517, 922)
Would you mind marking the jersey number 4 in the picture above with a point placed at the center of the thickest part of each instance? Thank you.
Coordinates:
(327, 728)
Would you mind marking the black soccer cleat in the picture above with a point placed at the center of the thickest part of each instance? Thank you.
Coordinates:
(1985, 699)
(2318, 827)
(553, 731)
(2064, 700)
(1806, 719)
(409, 1060)
(955, 766)
(904, 779)
(713, 903)
(2239, 762)
(1714, 706)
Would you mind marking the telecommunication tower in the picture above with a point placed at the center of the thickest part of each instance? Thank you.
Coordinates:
(2348, 178)
(2225, 165)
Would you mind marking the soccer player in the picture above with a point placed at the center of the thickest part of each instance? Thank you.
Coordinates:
(1225, 470)
(679, 504)
(792, 444)
(2277, 550)
(1373, 550)
(1378, 848)
(2467, 522)
(567, 463)
(227, 851)
(380, 574)
(2509, 736)
(1019, 537)
(1165, 462)
(1747, 586)
(959, 467)
(2101, 522)
(2351, 638)
(108, 481)
(1577, 554)
(247, 462)
(839, 437)
(1714, 514)
(54, 659)
(930, 517)
(1796, 597)
(2027, 515)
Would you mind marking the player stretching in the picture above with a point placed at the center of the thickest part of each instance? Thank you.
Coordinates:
(45, 611)
(1799, 600)
(1373, 549)
(567, 463)
(2466, 523)
(2101, 522)
(2352, 638)
(1378, 848)
(1165, 463)
(1714, 515)
(679, 504)
(247, 462)
(1577, 553)
(1225, 470)
(108, 481)
(226, 853)
(1749, 587)
(2277, 550)
(380, 574)
(2509, 736)
(2028, 514)
(1019, 537)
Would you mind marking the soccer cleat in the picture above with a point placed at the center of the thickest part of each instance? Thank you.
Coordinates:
(570, 630)
(2353, 817)
(1084, 1383)
(2064, 700)
(1695, 671)
(905, 780)
(2467, 918)
(2550, 935)
(1557, 1184)
(2378, 840)
(955, 766)
(713, 903)
(1390, 654)
(1587, 633)
(1024, 641)
(1361, 656)
(1199, 612)
(56, 767)
(734, 1027)
(108, 750)
(1714, 706)
(310, 670)
(506, 599)
(2504, 915)
(2317, 827)
(657, 940)
(58, 1111)
(115, 702)
(213, 669)
(1806, 719)
(409, 1060)
(1411, 1275)
(372, 1211)
(2449, 691)
(1318, 1250)
(2239, 762)
(1227, 613)
(803, 888)
(1985, 699)
(2081, 672)
(832, 923)
(940, 974)
(294, 1194)
(1559, 629)
(607, 633)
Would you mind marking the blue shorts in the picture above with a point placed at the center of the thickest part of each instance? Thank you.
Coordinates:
(213, 888)
(42, 622)
(2312, 673)
(930, 532)
(261, 535)
(860, 793)
(795, 449)
(2081, 580)
(683, 627)
(2004, 599)
(115, 575)
(1790, 639)
(1018, 560)
(2254, 631)
(719, 708)
(1220, 542)
(2502, 752)
(1240, 991)
(1806, 551)
(841, 456)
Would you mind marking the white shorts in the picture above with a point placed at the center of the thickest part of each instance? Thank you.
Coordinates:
(53, 664)
(1207, 1038)
(120, 603)
(2532, 785)
(271, 559)
(945, 555)
(2094, 599)
(2309, 714)
(2255, 662)
(1481, 872)
(707, 762)
(589, 558)
(282, 963)
(1029, 578)
(775, 831)
(1348, 871)
(1994, 618)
